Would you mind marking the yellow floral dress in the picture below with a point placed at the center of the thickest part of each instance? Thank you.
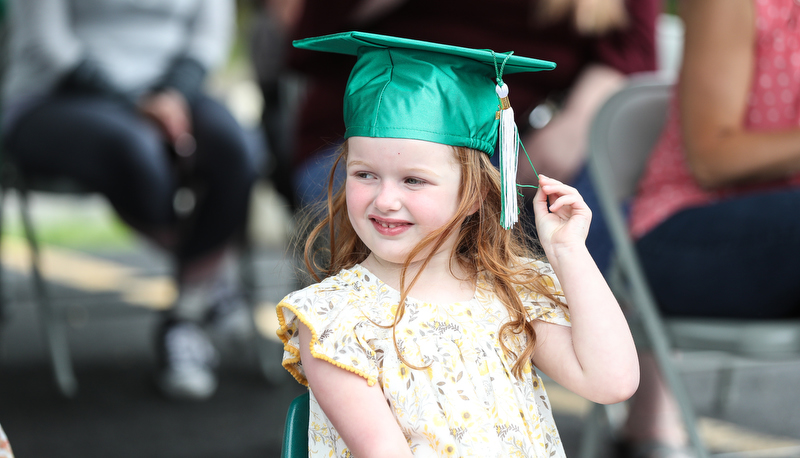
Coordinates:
(465, 403)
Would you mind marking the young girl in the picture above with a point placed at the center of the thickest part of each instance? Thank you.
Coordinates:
(423, 336)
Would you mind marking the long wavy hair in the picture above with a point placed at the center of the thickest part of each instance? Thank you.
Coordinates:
(483, 247)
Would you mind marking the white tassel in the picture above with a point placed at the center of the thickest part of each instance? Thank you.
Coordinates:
(509, 149)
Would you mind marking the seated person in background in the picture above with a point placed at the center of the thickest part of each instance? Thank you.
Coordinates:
(716, 214)
(110, 93)
(272, 20)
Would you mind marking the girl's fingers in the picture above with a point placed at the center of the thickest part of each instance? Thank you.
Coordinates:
(557, 188)
(565, 200)
(552, 186)
(547, 181)
(559, 195)
(540, 200)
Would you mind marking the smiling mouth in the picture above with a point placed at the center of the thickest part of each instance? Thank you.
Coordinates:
(388, 225)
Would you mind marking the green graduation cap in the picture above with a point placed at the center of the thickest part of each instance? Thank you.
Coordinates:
(403, 88)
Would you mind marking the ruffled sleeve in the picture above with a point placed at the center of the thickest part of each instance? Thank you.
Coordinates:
(542, 308)
(341, 332)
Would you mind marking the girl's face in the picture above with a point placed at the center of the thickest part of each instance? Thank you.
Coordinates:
(398, 191)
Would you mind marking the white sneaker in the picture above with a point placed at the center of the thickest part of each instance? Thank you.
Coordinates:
(188, 360)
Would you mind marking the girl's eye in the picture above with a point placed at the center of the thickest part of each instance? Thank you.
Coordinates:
(414, 181)
(363, 175)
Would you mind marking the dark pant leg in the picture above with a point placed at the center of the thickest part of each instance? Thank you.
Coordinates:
(738, 258)
(104, 145)
(226, 169)
(598, 241)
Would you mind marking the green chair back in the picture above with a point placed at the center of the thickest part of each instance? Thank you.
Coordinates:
(295, 431)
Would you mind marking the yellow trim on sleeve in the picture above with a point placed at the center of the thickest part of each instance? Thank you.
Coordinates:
(290, 363)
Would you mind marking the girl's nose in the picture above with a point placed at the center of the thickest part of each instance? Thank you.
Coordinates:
(388, 198)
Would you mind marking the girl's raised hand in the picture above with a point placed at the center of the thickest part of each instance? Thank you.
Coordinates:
(564, 221)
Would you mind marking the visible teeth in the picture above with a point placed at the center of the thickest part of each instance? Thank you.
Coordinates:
(388, 225)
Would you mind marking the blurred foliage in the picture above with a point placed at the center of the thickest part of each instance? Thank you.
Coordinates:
(671, 6)
(103, 232)
(245, 10)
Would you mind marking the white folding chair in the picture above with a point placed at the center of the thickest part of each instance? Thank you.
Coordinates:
(622, 135)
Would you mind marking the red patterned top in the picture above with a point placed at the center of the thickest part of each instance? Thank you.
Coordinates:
(668, 186)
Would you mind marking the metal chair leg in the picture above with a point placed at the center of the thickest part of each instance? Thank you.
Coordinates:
(723, 395)
(608, 416)
(3, 191)
(675, 382)
(52, 323)
(268, 354)
(590, 437)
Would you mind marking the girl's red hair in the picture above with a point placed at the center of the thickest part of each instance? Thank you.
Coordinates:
(483, 246)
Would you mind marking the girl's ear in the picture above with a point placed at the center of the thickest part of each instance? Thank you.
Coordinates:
(477, 204)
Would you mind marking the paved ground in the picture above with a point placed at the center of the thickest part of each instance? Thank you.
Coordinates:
(111, 299)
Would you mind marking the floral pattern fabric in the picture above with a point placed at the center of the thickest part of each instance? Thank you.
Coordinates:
(464, 402)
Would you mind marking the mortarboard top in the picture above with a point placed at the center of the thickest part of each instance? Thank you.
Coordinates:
(350, 42)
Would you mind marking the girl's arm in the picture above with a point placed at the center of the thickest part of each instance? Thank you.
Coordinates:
(359, 412)
(596, 357)
(716, 77)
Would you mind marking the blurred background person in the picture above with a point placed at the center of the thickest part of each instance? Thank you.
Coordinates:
(715, 216)
(269, 41)
(111, 93)
(595, 44)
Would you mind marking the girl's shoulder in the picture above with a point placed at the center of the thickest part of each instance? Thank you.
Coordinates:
(336, 312)
(350, 286)
(355, 279)
(333, 284)
(537, 305)
(540, 265)
(538, 262)
(536, 272)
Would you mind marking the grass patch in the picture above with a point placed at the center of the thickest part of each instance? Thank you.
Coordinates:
(82, 223)
(112, 234)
